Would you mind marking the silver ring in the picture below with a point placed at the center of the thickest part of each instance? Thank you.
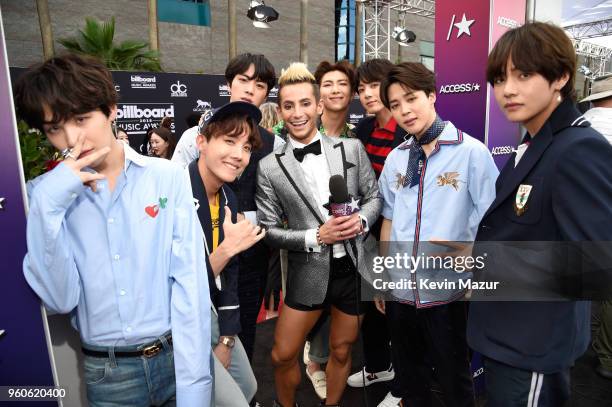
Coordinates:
(67, 153)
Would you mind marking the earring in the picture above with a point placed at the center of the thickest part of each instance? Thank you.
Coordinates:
(559, 98)
(114, 128)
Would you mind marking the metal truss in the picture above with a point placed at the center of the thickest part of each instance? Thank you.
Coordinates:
(377, 22)
(424, 8)
(589, 30)
(377, 30)
(597, 56)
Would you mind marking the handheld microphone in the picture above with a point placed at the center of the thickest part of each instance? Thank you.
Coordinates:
(340, 202)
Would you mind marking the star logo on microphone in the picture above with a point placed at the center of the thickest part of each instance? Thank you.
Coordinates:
(354, 204)
(463, 27)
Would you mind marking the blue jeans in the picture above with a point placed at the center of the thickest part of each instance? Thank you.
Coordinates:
(130, 381)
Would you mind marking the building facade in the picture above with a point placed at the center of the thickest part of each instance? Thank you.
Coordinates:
(192, 47)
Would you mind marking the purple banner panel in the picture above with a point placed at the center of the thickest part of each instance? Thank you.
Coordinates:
(461, 49)
(24, 356)
(502, 135)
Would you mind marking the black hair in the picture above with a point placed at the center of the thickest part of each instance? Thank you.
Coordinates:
(264, 71)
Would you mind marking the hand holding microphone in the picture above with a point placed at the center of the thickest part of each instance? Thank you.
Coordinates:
(345, 222)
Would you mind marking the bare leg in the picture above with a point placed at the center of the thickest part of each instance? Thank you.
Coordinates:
(343, 333)
(291, 330)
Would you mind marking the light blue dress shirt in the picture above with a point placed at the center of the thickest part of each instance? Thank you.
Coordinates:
(456, 189)
(128, 264)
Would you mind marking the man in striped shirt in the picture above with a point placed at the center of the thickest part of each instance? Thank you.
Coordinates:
(378, 131)
(380, 134)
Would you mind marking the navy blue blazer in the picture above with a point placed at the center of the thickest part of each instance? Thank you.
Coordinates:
(569, 166)
(225, 299)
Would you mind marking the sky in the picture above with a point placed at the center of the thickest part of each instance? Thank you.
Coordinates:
(583, 11)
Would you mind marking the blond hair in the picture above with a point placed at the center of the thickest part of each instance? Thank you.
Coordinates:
(269, 115)
(297, 72)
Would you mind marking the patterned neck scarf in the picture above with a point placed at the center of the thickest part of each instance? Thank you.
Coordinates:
(417, 155)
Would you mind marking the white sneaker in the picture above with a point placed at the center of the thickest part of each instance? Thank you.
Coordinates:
(362, 377)
(390, 401)
(319, 382)
(306, 359)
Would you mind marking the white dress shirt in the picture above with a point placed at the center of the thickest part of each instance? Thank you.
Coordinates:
(317, 174)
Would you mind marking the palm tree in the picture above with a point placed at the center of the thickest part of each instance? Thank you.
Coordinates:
(46, 33)
(97, 40)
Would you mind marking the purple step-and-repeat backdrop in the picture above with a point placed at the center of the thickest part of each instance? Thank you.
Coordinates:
(466, 30)
(24, 353)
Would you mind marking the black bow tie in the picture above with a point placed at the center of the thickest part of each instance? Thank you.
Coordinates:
(314, 148)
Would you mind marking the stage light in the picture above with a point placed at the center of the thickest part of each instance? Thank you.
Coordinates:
(584, 70)
(403, 36)
(261, 14)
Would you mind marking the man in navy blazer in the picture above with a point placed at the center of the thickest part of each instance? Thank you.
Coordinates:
(556, 188)
(225, 141)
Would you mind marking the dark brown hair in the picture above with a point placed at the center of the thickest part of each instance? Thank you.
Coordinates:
(536, 47)
(264, 70)
(410, 75)
(68, 85)
(373, 70)
(343, 66)
(233, 125)
(167, 136)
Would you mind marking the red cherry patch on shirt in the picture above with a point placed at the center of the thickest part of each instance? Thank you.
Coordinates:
(152, 210)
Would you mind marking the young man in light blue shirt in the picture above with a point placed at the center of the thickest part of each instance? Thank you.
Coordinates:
(113, 238)
(436, 186)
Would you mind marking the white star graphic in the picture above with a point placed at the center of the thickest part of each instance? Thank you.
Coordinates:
(2, 203)
(464, 26)
(476, 87)
(354, 204)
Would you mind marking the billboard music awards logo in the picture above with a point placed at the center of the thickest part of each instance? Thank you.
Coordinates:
(178, 90)
(224, 90)
(460, 88)
(463, 27)
(143, 81)
(141, 117)
(355, 117)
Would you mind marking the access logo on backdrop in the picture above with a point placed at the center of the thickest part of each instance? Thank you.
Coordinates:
(459, 88)
(507, 22)
(462, 27)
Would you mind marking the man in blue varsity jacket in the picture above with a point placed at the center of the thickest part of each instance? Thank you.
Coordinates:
(226, 140)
